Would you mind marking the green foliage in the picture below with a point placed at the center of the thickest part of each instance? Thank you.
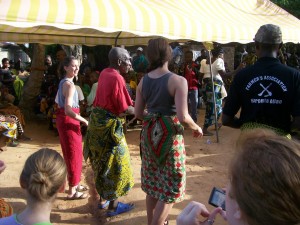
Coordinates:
(292, 6)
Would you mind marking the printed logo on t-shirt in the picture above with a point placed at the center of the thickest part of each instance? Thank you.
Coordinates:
(264, 86)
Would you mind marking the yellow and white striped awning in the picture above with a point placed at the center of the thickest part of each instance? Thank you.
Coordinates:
(134, 22)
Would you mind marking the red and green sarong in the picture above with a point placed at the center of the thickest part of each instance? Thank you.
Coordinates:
(163, 155)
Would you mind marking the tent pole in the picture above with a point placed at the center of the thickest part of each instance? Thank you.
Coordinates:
(116, 39)
(214, 97)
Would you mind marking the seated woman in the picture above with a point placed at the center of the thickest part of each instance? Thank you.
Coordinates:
(9, 130)
(9, 110)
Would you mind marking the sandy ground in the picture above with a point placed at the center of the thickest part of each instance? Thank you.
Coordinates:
(206, 167)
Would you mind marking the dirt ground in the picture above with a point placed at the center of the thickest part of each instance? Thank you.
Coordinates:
(207, 163)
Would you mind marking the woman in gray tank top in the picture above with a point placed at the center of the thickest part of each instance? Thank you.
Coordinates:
(162, 145)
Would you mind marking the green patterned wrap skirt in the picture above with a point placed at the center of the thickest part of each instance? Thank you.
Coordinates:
(106, 148)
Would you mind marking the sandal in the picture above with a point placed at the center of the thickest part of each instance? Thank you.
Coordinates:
(82, 188)
(104, 205)
(121, 208)
(78, 195)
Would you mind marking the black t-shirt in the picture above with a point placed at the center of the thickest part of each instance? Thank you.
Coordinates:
(267, 92)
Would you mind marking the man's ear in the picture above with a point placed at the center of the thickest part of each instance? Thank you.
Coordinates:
(119, 62)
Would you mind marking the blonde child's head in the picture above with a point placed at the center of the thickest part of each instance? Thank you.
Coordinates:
(44, 174)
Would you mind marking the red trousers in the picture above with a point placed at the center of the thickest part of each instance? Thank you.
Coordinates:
(71, 143)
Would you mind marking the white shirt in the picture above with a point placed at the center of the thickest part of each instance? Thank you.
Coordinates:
(217, 65)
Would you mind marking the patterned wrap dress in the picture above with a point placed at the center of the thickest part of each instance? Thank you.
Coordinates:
(208, 94)
(163, 172)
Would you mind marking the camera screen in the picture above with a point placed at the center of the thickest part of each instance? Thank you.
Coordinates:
(217, 198)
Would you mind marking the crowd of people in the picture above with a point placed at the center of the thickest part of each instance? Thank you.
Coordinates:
(264, 180)
(12, 122)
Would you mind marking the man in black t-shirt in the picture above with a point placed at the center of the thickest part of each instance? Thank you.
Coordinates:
(268, 93)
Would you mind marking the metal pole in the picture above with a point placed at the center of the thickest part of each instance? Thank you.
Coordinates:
(214, 97)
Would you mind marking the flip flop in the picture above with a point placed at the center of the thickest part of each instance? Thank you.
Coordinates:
(78, 195)
(102, 206)
(121, 208)
(82, 188)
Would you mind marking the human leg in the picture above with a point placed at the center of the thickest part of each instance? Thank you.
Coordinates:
(193, 95)
(208, 119)
(150, 205)
(161, 212)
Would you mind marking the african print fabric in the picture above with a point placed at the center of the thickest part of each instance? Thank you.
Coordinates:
(10, 130)
(106, 148)
(253, 125)
(13, 110)
(208, 99)
(163, 155)
(5, 209)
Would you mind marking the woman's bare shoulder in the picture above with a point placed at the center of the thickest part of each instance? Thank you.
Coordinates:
(176, 78)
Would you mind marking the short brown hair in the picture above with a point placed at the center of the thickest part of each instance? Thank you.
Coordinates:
(43, 174)
(265, 178)
(158, 52)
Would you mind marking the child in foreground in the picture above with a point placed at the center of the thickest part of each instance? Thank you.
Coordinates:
(43, 176)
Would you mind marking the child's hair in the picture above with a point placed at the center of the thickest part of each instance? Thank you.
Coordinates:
(265, 178)
(44, 173)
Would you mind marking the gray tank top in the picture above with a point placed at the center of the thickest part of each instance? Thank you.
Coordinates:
(61, 97)
(156, 95)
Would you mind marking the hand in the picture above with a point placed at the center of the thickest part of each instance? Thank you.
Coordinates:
(85, 122)
(241, 66)
(2, 166)
(197, 133)
(190, 214)
(2, 118)
(130, 110)
(145, 112)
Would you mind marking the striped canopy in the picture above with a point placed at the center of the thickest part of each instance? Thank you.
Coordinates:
(134, 22)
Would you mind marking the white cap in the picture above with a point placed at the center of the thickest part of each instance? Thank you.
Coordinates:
(140, 49)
